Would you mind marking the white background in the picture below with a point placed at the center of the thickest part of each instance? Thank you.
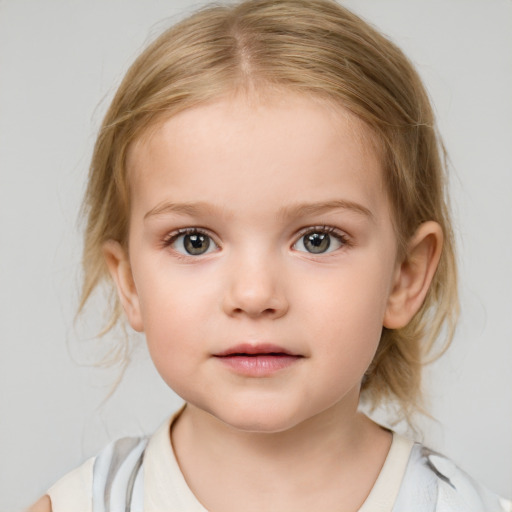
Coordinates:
(59, 64)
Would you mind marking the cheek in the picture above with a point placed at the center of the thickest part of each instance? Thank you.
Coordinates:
(352, 339)
(356, 292)
(173, 337)
(169, 294)
(176, 313)
(349, 313)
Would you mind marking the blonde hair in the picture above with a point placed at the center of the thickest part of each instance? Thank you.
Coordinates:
(316, 48)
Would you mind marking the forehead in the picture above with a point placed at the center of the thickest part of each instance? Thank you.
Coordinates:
(295, 144)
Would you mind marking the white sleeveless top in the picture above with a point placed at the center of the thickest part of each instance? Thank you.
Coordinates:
(137, 475)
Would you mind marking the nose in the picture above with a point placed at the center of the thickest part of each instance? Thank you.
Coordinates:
(255, 289)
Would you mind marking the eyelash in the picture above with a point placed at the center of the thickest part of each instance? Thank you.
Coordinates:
(340, 236)
(172, 237)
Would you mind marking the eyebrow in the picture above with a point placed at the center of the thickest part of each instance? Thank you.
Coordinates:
(198, 209)
(304, 209)
(192, 209)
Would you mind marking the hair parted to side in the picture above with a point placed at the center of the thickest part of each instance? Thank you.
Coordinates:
(311, 47)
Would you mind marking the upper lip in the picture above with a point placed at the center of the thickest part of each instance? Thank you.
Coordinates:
(254, 349)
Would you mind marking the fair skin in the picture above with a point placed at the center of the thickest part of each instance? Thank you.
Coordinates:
(262, 265)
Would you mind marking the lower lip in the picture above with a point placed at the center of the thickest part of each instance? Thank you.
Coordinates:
(261, 365)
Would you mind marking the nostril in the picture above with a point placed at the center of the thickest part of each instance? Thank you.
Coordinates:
(255, 312)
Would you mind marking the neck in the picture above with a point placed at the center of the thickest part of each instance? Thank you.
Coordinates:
(336, 445)
(331, 426)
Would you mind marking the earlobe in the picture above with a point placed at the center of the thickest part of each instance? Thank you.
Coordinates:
(414, 275)
(121, 272)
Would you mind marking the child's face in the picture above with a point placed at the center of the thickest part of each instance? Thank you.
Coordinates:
(260, 227)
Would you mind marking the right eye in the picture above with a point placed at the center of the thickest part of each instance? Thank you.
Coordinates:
(191, 242)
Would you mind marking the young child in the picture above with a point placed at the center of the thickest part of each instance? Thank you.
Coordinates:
(267, 195)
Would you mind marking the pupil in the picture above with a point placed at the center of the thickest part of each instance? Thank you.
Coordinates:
(196, 244)
(317, 242)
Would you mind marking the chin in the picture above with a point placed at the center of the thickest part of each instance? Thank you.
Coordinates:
(259, 419)
(259, 426)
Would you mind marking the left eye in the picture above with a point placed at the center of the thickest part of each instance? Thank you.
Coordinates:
(319, 242)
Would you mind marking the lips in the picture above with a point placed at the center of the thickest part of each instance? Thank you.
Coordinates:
(254, 350)
(261, 360)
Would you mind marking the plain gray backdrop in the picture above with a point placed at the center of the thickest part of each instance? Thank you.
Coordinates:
(60, 61)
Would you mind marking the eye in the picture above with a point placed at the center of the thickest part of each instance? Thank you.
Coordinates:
(320, 240)
(191, 242)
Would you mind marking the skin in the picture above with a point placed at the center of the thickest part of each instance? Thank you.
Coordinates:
(42, 505)
(255, 176)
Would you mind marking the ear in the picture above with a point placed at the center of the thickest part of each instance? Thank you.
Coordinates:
(121, 272)
(414, 275)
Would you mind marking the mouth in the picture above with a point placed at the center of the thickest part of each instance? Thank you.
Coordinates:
(246, 349)
(262, 360)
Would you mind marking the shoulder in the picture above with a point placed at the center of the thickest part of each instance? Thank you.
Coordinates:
(73, 490)
(42, 505)
(434, 483)
(111, 472)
